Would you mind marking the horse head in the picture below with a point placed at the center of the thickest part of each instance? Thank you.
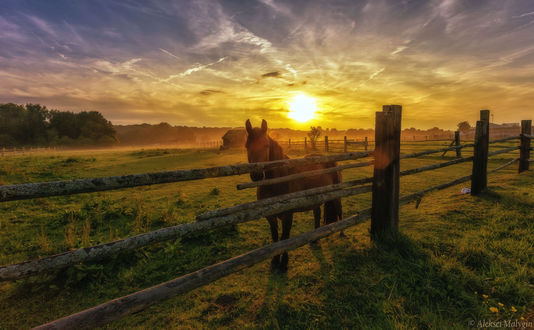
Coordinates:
(258, 145)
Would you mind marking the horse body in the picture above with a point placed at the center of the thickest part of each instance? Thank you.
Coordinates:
(260, 147)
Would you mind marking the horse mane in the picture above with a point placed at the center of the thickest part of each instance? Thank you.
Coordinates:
(275, 150)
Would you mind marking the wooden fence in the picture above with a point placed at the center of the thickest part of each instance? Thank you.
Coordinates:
(384, 213)
(326, 144)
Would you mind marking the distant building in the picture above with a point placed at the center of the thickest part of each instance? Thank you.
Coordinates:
(234, 138)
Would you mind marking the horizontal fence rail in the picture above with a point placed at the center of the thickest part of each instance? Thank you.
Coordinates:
(58, 188)
(58, 261)
(385, 184)
(114, 309)
(267, 201)
(301, 175)
(135, 302)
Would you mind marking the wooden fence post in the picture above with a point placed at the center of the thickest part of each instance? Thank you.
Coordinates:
(457, 143)
(289, 144)
(345, 144)
(524, 151)
(366, 143)
(385, 205)
(305, 144)
(326, 143)
(479, 181)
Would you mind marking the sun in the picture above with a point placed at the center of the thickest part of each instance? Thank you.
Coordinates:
(302, 108)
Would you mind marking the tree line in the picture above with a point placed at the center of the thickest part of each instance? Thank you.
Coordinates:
(35, 125)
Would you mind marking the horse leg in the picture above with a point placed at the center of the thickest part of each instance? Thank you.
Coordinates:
(287, 222)
(317, 216)
(339, 211)
(273, 223)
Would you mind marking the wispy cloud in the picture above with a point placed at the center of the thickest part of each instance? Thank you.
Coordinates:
(376, 73)
(524, 14)
(174, 59)
(199, 67)
(169, 53)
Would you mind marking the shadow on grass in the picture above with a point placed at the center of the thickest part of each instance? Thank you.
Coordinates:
(394, 283)
(397, 280)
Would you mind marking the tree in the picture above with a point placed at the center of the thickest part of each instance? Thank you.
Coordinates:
(314, 134)
(463, 126)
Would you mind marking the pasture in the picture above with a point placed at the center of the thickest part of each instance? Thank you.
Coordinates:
(457, 257)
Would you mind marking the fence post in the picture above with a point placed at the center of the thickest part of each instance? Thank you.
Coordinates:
(524, 151)
(345, 144)
(366, 143)
(479, 180)
(457, 143)
(385, 205)
(326, 143)
(305, 144)
(289, 144)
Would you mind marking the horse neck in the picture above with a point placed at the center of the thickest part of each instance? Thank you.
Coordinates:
(275, 151)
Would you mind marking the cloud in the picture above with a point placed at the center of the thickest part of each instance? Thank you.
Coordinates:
(207, 92)
(169, 53)
(131, 59)
(525, 14)
(398, 50)
(376, 73)
(199, 67)
(274, 74)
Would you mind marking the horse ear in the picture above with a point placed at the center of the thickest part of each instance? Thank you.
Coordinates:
(263, 125)
(248, 126)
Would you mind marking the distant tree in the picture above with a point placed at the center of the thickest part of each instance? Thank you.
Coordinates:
(463, 126)
(314, 134)
(33, 124)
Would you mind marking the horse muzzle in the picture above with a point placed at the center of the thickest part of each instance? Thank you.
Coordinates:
(256, 176)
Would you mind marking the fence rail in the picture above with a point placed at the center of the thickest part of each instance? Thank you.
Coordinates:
(58, 188)
(384, 213)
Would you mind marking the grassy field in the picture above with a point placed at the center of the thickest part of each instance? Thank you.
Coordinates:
(459, 259)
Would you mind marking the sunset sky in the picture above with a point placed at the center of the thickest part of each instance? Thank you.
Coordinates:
(217, 63)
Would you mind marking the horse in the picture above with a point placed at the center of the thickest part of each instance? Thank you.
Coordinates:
(262, 148)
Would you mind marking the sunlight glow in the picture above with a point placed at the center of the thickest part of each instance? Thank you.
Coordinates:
(302, 108)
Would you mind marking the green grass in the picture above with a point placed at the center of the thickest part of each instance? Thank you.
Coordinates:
(452, 250)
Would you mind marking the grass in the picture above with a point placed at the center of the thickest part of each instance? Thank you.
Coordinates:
(456, 256)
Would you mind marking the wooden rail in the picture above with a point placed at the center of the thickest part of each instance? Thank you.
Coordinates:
(216, 219)
(384, 213)
(267, 201)
(58, 188)
(301, 175)
(135, 302)
(524, 154)
(58, 261)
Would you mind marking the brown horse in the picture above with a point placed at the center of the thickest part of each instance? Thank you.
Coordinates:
(262, 148)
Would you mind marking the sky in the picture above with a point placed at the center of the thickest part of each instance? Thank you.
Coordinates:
(218, 63)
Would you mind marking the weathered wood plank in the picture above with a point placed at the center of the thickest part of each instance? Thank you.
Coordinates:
(434, 151)
(469, 145)
(267, 201)
(524, 152)
(57, 188)
(457, 144)
(435, 166)
(117, 308)
(503, 166)
(301, 175)
(385, 204)
(505, 139)
(503, 151)
(479, 179)
(58, 261)
(135, 302)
